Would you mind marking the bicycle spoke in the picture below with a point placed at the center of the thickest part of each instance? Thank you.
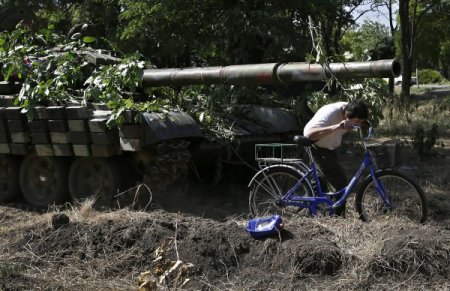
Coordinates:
(268, 190)
(270, 187)
(404, 199)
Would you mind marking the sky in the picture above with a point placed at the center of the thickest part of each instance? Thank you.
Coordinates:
(380, 17)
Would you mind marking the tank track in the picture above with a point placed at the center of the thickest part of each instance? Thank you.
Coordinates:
(168, 164)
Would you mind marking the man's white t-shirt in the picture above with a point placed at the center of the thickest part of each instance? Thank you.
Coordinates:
(327, 115)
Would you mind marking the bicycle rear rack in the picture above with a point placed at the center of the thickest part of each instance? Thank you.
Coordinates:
(273, 153)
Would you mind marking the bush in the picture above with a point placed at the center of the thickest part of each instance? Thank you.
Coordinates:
(429, 76)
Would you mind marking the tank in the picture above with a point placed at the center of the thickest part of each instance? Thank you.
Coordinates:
(68, 152)
(63, 152)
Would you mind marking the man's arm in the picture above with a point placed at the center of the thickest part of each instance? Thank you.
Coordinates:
(317, 133)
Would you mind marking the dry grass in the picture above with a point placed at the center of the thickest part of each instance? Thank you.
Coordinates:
(390, 254)
(423, 109)
(19, 255)
(393, 254)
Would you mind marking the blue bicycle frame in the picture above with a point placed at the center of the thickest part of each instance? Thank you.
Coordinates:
(312, 202)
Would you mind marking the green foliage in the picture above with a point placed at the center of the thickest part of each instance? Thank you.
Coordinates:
(199, 32)
(14, 49)
(367, 40)
(52, 80)
(102, 15)
(114, 85)
(445, 53)
(121, 106)
(423, 26)
(108, 84)
(372, 92)
(432, 35)
(429, 76)
(202, 32)
(49, 74)
(57, 75)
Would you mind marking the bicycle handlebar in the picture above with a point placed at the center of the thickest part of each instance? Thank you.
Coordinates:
(305, 141)
(369, 133)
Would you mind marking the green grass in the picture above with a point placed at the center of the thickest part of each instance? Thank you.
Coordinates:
(424, 108)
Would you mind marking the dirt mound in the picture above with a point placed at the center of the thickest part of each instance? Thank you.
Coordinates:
(203, 247)
(414, 251)
(85, 249)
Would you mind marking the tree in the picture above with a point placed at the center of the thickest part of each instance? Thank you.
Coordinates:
(432, 48)
(445, 57)
(334, 18)
(372, 40)
(202, 32)
(413, 13)
(391, 15)
(199, 32)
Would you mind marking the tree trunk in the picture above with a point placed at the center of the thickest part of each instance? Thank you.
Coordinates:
(393, 29)
(406, 47)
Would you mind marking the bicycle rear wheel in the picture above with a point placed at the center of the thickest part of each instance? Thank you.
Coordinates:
(269, 187)
(407, 198)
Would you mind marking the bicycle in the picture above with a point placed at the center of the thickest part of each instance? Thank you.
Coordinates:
(289, 185)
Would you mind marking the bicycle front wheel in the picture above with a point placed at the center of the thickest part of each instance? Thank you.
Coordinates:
(270, 186)
(406, 198)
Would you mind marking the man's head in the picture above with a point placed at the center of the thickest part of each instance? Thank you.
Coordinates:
(356, 111)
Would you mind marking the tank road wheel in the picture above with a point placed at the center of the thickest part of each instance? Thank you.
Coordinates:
(99, 177)
(43, 180)
(9, 178)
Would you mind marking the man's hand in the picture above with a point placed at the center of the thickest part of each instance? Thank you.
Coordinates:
(346, 124)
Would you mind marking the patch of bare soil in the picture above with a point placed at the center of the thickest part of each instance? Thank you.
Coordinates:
(199, 242)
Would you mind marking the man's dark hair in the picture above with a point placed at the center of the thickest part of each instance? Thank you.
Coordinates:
(357, 109)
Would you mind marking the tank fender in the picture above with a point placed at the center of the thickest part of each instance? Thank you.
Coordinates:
(275, 120)
(262, 171)
(159, 127)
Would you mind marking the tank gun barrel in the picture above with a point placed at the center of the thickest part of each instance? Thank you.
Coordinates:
(272, 73)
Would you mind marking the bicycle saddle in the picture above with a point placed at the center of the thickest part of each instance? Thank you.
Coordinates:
(303, 140)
